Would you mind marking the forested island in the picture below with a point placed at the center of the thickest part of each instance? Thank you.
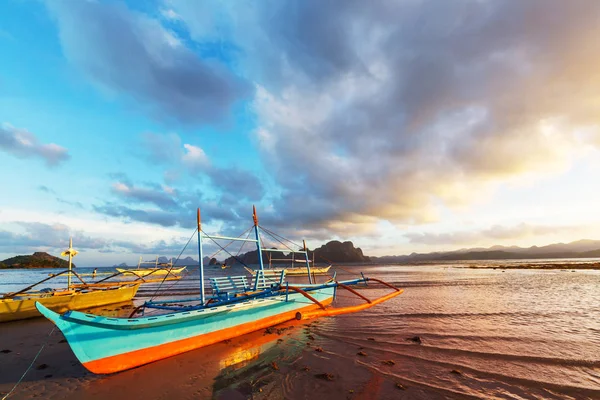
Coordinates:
(39, 259)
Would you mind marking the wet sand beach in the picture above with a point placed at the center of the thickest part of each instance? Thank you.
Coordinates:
(454, 333)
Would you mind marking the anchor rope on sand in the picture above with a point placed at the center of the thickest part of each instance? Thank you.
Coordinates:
(30, 365)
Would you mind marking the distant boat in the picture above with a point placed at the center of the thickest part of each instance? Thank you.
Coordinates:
(292, 271)
(302, 271)
(21, 304)
(238, 305)
(158, 269)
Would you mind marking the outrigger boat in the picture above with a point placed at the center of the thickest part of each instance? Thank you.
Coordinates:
(22, 304)
(291, 271)
(295, 271)
(236, 307)
(158, 269)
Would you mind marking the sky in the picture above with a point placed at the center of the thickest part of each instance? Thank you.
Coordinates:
(403, 126)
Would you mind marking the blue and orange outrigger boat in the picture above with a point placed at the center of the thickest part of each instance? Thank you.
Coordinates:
(236, 307)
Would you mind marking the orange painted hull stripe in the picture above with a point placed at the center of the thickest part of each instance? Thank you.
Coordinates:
(345, 310)
(121, 362)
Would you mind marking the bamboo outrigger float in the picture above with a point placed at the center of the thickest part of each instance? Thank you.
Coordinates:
(236, 307)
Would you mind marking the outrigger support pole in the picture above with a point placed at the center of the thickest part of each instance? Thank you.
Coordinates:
(308, 296)
(348, 288)
(346, 310)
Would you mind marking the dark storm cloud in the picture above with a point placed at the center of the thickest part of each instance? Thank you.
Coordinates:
(128, 52)
(24, 144)
(396, 110)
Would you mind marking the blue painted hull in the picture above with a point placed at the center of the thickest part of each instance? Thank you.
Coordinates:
(106, 345)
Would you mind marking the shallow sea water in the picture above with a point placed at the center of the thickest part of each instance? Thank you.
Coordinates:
(484, 333)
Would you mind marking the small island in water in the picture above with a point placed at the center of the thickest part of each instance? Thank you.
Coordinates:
(39, 259)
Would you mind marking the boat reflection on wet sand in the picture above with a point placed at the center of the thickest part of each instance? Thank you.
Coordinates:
(252, 362)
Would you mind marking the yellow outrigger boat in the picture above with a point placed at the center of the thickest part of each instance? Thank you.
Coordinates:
(292, 271)
(23, 307)
(158, 269)
(21, 304)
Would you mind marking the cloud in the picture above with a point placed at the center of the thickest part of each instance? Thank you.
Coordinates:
(237, 182)
(231, 184)
(170, 207)
(160, 198)
(55, 238)
(161, 149)
(194, 158)
(23, 144)
(45, 189)
(42, 236)
(494, 233)
(127, 52)
(396, 110)
(168, 150)
(153, 216)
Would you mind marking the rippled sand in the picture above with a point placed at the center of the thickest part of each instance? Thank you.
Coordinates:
(481, 333)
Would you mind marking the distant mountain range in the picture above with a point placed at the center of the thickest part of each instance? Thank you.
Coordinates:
(579, 249)
(188, 261)
(331, 252)
(345, 252)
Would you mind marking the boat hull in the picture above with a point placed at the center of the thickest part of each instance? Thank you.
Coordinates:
(295, 271)
(107, 345)
(301, 271)
(151, 271)
(12, 310)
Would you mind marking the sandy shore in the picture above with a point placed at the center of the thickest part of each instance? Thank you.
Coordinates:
(288, 361)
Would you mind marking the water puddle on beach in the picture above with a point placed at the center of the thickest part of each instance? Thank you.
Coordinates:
(454, 333)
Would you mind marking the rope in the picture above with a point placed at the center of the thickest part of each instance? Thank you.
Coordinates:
(275, 236)
(173, 264)
(227, 245)
(226, 251)
(30, 365)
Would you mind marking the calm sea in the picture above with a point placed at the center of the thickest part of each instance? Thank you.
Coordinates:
(488, 333)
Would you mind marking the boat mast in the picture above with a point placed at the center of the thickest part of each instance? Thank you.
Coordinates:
(307, 262)
(200, 261)
(258, 244)
(71, 253)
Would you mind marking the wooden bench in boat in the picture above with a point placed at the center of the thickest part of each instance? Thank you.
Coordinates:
(268, 281)
(229, 285)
